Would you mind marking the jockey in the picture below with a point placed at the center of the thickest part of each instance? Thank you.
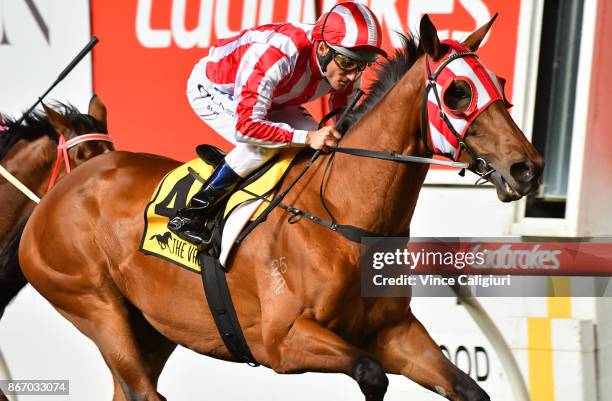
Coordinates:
(250, 89)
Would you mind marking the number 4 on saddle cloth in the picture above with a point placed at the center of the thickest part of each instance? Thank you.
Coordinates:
(180, 184)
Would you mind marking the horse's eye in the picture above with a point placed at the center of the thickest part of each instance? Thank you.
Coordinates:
(460, 92)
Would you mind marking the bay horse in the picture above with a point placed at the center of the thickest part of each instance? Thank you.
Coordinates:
(80, 251)
(28, 151)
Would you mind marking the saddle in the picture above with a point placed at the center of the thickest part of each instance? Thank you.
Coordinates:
(179, 185)
(172, 194)
(226, 223)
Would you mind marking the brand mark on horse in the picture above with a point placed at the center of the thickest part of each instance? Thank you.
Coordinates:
(278, 267)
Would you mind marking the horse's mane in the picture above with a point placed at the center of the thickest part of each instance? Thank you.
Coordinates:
(387, 74)
(37, 125)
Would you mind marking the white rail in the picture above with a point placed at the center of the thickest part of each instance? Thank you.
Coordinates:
(501, 347)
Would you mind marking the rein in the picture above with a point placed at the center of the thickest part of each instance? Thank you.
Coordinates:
(397, 157)
(17, 184)
(62, 154)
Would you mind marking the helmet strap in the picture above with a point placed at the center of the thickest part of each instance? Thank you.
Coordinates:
(326, 59)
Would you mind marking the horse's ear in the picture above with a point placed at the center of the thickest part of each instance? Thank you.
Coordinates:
(59, 122)
(97, 109)
(429, 38)
(473, 41)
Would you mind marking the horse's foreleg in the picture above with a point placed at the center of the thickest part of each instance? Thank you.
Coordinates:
(11, 282)
(133, 350)
(308, 346)
(407, 349)
(12, 279)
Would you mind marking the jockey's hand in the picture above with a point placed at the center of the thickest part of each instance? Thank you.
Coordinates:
(323, 139)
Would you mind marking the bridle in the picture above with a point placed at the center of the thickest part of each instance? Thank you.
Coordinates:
(478, 165)
(62, 151)
(62, 154)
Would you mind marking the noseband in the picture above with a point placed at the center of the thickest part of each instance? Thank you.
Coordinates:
(62, 153)
(478, 165)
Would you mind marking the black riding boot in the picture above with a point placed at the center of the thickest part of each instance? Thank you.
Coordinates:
(189, 223)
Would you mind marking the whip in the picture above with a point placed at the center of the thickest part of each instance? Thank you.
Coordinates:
(94, 40)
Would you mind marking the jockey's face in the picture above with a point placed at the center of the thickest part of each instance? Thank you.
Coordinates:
(338, 78)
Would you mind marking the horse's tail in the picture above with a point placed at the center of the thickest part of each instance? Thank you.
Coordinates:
(153, 237)
(12, 279)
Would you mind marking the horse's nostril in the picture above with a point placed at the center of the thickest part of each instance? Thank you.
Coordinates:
(522, 171)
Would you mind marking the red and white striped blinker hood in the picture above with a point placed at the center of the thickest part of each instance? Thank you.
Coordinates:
(485, 86)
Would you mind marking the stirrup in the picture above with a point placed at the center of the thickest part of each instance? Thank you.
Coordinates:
(189, 230)
(178, 222)
(199, 239)
(189, 223)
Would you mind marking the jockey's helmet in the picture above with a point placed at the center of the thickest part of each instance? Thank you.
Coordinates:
(352, 30)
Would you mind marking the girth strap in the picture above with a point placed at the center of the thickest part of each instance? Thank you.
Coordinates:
(222, 309)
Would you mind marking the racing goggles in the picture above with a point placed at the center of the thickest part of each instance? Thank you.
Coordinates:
(349, 65)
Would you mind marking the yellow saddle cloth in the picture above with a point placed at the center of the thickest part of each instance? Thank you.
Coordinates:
(174, 192)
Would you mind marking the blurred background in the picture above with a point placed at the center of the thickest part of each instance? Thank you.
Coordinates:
(556, 58)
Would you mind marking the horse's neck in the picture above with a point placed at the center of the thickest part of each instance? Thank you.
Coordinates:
(33, 161)
(30, 163)
(375, 194)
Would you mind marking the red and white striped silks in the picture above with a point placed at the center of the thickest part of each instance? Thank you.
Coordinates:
(265, 68)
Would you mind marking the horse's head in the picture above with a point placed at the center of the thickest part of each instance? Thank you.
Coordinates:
(28, 149)
(467, 115)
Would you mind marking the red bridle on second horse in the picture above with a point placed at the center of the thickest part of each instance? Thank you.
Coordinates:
(62, 154)
(62, 151)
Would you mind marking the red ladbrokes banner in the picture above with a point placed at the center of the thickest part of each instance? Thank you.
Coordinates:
(148, 48)
(400, 267)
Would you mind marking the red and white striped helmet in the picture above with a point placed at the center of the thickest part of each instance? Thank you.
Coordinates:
(351, 29)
